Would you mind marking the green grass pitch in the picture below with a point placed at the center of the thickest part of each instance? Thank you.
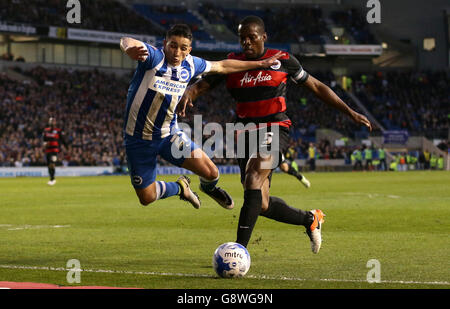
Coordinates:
(401, 219)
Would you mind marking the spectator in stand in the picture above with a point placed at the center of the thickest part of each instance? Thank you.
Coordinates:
(382, 158)
(368, 156)
(440, 163)
(312, 157)
(427, 157)
(357, 160)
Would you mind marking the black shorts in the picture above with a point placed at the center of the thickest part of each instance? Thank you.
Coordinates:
(52, 157)
(264, 143)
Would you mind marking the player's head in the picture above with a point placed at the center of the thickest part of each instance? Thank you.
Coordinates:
(252, 35)
(52, 121)
(177, 44)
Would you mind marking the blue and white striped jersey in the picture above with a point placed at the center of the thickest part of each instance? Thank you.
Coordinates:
(154, 93)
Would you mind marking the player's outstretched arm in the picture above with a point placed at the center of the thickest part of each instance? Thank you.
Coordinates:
(229, 66)
(133, 48)
(324, 93)
(190, 95)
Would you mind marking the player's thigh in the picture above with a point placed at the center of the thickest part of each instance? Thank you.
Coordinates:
(141, 160)
(199, 163)
(257, 170)
(272, 142)
(180, 151)
(52, 158)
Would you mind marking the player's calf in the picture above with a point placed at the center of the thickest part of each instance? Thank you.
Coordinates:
(208, 173)
(162, 190)
(209, 187)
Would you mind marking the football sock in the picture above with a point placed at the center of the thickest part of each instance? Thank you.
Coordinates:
(166, 189)
(292, 171)
(51, 172)
(208, 185)
(278, 210)
(248, 216)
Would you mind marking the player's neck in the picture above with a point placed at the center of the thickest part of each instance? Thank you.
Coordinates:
(259, 55)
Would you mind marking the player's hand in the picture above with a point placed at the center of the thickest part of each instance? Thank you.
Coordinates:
(272, 60)
(138, 53)
(362, 120)
(185, 100)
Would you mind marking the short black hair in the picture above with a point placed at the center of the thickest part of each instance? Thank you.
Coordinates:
(182, 30)
(253, 20)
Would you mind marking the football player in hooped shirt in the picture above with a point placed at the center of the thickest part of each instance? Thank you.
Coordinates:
(260, 96)
(53, 138)
(150, 127)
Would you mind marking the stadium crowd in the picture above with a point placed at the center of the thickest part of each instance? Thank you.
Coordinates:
(415, 101)
(114, 16)
(355, 24)
(91, 115)
(293, 24)
(167, 15)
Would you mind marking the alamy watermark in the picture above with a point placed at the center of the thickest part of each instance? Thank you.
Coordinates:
(374, 274)
(374, 14)
(74, 273)
(74, 14)
(238, 141)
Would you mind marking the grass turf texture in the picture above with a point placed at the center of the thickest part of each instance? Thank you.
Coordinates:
(400, 219)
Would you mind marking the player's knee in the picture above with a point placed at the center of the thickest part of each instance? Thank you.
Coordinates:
(147, 195)
(212, 172)
(146, 201)
(284, 167)
(147, 198)
(253, 180)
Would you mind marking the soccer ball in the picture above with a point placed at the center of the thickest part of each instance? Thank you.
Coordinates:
(231, 260)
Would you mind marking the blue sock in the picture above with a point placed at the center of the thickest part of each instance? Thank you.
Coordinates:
(166, 189)
(208, 185)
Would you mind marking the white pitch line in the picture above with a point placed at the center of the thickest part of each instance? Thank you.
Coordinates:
(11, 227)
(150, 273)
(371, 195)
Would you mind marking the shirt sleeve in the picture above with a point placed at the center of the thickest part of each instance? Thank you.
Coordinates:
(153, 58)
(295, 70)
(201, 66)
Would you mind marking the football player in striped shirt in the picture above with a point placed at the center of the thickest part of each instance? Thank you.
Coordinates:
(150, 127)
(260, 96)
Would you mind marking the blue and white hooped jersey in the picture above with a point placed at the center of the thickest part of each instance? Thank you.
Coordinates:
(154, 93)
